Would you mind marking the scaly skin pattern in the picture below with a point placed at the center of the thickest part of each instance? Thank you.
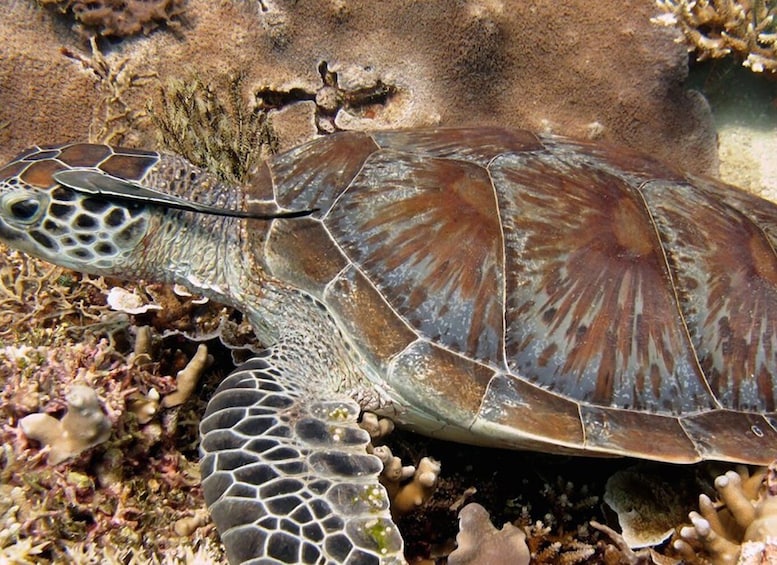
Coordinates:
(484, 285)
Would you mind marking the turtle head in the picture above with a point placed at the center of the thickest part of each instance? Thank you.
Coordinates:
(44, 217)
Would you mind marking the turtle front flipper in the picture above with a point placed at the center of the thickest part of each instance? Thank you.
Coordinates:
(286, 475)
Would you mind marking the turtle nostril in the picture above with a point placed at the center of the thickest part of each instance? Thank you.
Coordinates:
(25, 210)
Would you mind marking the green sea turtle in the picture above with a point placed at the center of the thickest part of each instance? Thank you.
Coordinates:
(487, 286)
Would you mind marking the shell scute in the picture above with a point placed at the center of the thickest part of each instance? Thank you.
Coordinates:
(426, 231)
(440, 381)
(129, 164)
(732, 436)
(84, 154)
(628, 432)
(11, 171)
(368, 318)
(310, 265)
(616, 160)
(40, 174)
(726, 270)
(314, 174)
(763, 213)
(527, 415)
(477, 145)
(590, 308)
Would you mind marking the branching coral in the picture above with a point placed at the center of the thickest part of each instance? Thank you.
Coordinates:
(187, 378)
(408, 487)
(718, 28)
(83, 426)
(742, 526)
(120, 18)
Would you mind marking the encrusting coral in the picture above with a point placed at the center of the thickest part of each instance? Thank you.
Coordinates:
(83, 426)
(649, 505)
(746, 29)
(742, 526)
(120, 18)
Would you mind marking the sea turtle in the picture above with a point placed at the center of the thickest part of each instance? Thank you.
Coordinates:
(489, 286)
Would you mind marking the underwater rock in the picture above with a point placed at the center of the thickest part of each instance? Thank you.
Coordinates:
(598, 70)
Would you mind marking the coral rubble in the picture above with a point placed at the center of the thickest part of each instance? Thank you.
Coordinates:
(117, 502)
(746, 29)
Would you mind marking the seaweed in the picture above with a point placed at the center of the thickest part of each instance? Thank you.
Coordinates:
(220, 133)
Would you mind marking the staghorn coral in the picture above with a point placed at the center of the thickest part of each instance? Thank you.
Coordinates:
(746, 29)
(120, 18)
(741, 527)
(83, 426)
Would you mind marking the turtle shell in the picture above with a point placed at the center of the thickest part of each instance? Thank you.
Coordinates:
(534, 292)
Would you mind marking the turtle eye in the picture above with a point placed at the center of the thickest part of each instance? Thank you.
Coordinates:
(25, 210)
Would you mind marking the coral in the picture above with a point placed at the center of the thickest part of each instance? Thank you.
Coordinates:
(648, 506)
(479, 541)
(114, 116)
(102, 506)
(120, 18)
(413, 494)
(187, 378)
(746, 29)
(377, 427)
(408, 487)
(83, 426)
(336, 107)
(128, 302)
(396, 65)
(742, 526)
